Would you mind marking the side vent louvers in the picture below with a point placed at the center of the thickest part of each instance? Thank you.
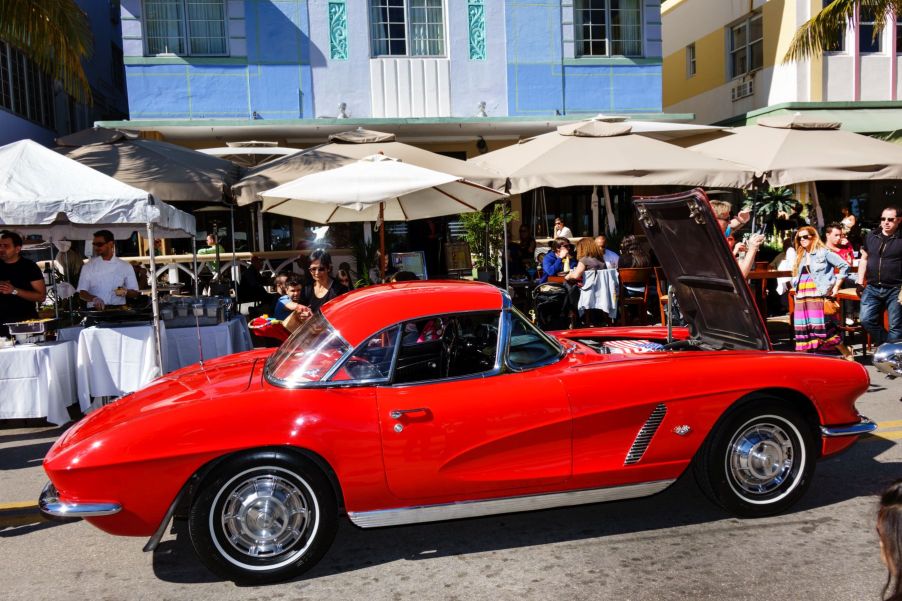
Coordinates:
(646, 433)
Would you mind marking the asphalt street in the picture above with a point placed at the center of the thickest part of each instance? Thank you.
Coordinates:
(675, 545)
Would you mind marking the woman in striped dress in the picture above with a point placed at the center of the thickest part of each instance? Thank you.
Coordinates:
(817, 274)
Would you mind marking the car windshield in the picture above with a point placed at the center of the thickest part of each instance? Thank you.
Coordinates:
(308, 355)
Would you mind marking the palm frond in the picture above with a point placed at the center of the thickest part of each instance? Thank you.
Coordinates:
(55, 35)
(816, 33)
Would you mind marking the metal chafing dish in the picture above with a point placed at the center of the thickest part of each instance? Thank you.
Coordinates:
(31, 330)
(116, 317)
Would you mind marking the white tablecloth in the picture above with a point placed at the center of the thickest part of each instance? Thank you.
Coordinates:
(115, 361)
(182, 349)
(37, 381)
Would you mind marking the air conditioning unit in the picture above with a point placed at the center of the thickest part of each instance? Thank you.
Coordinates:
(742, 89)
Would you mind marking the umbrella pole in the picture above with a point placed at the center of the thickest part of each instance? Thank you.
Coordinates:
(194, 264)
(382, 242)
(56, 293)
(155, 300)
(234, 268)
(505, 252)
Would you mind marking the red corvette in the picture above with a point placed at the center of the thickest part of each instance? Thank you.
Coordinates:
(424, 401)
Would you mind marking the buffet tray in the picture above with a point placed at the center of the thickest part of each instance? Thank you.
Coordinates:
(187, 321)
(115, 318)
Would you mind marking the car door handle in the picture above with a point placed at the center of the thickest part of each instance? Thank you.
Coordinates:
(397, 413)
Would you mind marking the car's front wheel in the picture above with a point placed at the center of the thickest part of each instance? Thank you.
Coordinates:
(758, 461)
(263, 517)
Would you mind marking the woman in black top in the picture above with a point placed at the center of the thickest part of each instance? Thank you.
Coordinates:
(323, 288)
(632, 254)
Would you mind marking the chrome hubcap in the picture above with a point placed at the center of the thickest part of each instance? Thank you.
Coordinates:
(265, 516)
(761, 458)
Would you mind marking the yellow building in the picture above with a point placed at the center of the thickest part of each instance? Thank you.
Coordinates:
(723, 61)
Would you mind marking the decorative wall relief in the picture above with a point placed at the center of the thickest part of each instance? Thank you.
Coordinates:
(476, 21)
(338, 31)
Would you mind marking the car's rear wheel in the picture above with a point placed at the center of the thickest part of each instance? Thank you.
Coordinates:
(759, 461)
(263, 517)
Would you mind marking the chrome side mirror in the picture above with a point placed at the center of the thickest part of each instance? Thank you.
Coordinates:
(888, 359)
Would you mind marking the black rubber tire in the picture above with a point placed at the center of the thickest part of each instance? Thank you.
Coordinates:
(726, 478)
(297, 482)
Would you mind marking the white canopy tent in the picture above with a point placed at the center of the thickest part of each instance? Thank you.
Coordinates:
(44, 192)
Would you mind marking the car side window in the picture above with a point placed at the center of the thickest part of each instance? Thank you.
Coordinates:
(447, 346)
(528, 346)
(372, 360)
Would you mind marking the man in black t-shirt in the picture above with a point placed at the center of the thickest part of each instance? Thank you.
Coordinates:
(21, 283)
(880, 278)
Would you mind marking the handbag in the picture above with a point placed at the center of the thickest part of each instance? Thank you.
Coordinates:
(831, 306)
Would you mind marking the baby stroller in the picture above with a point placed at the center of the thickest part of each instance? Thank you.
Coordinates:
(550, 303)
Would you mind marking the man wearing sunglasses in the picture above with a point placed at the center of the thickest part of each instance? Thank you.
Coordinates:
(106, 279)
(880, 278)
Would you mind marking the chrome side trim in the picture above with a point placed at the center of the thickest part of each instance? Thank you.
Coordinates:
(50, 505)
(470, 509)
(865, 426)
(646, 433)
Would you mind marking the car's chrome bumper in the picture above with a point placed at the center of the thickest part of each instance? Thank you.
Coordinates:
(51, 506)
(864, 426)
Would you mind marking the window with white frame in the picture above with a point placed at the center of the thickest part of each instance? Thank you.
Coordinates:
(746, 46)
(608, 28)
(690, 60)
(867, 43)
(407, 27)
(186, 27)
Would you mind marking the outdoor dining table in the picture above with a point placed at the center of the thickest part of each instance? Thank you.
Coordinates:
(760, 277)
(38, 380)
(850, 295)
(182, 347)
(114, 360)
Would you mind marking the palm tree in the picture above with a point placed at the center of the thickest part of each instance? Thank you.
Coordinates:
(818, 32)
(55, 35)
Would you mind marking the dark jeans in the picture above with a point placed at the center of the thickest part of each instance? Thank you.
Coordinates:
(874, 300)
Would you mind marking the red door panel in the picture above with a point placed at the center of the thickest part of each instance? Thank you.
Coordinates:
(461, 438)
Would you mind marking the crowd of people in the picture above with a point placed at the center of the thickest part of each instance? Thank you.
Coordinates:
(820, 267)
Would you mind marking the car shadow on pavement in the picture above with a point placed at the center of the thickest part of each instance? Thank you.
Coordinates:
(49, 431)
(24, 456)
(38, 523)
(855, 473)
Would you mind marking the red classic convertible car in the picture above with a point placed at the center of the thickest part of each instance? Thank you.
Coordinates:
(424, 401)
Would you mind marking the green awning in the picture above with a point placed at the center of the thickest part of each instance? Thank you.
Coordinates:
(874, 118)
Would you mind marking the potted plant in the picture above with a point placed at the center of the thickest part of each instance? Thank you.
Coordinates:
(767, 204)
(484, 234)
(365, 255)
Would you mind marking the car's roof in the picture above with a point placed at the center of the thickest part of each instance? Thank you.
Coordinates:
(362, 312)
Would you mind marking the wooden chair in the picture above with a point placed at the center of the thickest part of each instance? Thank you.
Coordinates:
(636, 277)
(661, 285)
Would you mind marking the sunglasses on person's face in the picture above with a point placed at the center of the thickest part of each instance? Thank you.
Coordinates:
(804, 237)
(888, 218)
(98, 244)
(319, 269)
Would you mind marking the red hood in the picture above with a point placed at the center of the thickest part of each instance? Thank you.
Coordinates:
(218, 379)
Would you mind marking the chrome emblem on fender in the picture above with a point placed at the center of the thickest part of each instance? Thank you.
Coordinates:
(682, 430)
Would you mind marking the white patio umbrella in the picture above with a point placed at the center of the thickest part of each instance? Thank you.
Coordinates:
(791, 149)
(44, 192)
(377, 188)
(599, 152)
(249, 154)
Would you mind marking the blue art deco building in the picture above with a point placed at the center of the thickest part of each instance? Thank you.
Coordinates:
(390, 59)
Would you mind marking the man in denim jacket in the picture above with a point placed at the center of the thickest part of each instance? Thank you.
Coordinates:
(880, 278)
